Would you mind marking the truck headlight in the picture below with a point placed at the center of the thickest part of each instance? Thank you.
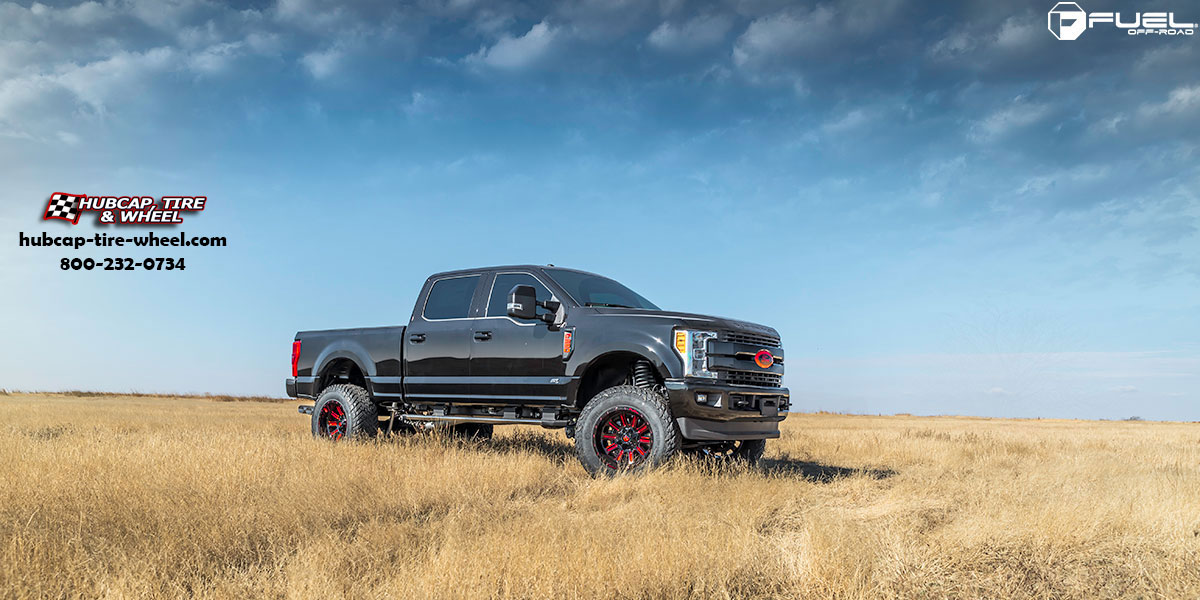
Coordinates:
(692, 346)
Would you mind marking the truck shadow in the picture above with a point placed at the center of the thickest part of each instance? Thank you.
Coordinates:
(816, 472)
(562, 450)
(534, 443)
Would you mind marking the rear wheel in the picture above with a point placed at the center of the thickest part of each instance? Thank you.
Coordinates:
(625, 428)
(344, 411)
(736, 451)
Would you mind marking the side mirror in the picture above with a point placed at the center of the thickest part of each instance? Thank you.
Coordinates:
(522, 302)
(552, 306)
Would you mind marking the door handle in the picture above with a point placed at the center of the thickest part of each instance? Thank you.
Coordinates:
(483, 336)
(416, 338)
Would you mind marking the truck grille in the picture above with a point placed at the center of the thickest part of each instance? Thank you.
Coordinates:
(754, 339)
(751, 378)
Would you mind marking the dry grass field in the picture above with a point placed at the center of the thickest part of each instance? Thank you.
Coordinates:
(145, 497)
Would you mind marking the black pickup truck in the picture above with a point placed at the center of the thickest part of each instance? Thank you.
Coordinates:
(560, 348)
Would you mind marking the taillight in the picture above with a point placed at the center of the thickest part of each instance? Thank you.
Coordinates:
(295, 357)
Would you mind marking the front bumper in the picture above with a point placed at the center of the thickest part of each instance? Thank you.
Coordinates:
(708, 411)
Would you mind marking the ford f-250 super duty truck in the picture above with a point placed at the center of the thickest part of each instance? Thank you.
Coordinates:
(560, 348)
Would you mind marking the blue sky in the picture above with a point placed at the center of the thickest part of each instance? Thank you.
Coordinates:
(942, 208)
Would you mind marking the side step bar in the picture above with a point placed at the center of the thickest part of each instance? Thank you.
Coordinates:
(481, 419)
(545, 421)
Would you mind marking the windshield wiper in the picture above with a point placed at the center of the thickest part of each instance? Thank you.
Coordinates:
(607, 304)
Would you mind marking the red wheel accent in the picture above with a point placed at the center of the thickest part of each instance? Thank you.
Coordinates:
(623, 438)
(331, 423)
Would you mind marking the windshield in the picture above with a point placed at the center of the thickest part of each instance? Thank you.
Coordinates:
(593, 290)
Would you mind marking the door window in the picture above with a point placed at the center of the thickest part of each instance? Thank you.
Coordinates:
(504, 283)
(450, 298)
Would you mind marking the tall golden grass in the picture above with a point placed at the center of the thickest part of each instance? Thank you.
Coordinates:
(141, 497)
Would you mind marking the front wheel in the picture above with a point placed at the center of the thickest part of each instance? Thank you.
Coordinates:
(625, 428)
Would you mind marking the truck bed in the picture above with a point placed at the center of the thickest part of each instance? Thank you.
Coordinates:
(382, 369)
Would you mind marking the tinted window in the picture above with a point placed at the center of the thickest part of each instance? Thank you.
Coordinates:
(498, 302)
(593, 290)
(450, 298)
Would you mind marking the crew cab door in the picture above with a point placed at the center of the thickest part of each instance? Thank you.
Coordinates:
(437, 343)
(516, 362)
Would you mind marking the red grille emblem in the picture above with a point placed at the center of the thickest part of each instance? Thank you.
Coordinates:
(764, 359)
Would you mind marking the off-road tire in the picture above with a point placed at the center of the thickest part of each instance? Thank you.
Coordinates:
(361, 415)
(647, 404)
(747, 452)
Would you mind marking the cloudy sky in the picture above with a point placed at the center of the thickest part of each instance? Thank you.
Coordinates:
(941, 207)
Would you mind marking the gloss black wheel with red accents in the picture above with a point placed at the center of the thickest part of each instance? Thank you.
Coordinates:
(331, 423)
(623, 438)
(625, 428)
(344, 411)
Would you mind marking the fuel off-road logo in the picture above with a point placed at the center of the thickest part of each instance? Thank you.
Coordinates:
(1068, 21)
(124, 210)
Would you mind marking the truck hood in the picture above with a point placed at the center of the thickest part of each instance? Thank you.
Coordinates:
(690, 320)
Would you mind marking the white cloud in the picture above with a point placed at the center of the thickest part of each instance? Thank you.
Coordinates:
(698, 33)
(959, 42)
(96, 84)
(848, 122)
(117, 77)
(85, 13)
(490, 22)
(215, 58)
(324, 63)
(1165, 58)
(1125, 389)
(1107, 125)
(1018, 33)
(168, 15)
(39, 20)
(420, 105)
(781, 35)
(1074, 176)
(263, 42)
(21, 93)
(797, 33)
(939, 178)
(311, 14)
(520, 52)
(68, 138)
(1184, 100)
(1002, 122)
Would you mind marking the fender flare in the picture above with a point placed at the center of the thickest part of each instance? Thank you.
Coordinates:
(345, 349)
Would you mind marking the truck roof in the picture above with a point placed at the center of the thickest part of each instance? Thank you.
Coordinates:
(506, 268)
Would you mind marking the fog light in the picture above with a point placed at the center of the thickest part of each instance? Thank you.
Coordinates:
(701, 398)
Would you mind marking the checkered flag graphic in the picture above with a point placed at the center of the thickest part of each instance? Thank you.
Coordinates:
(64, 206)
